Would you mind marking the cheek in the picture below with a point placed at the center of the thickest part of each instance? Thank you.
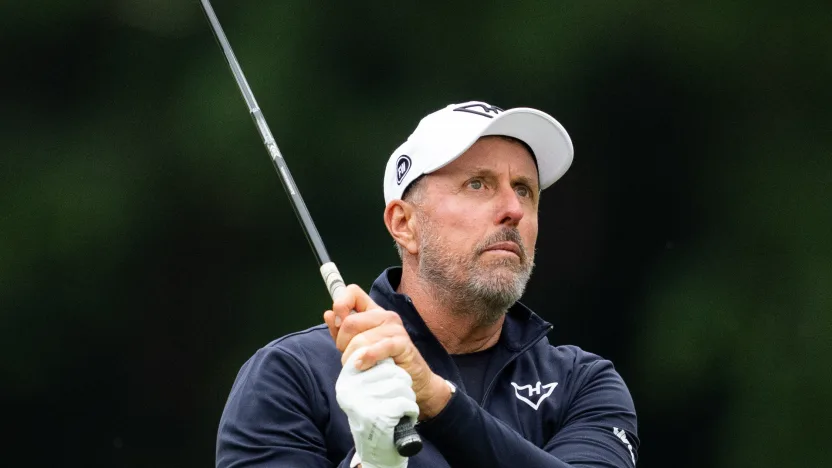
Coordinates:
(529, 233)
(462, 226)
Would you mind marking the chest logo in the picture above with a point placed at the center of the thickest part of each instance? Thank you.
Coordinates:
(520, 391)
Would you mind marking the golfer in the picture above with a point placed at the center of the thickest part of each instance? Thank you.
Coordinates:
(473, 365)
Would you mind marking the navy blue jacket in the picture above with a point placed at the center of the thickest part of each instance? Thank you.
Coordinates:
(546, 406)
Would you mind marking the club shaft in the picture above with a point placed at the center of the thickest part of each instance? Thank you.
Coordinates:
(406, 438)
(280, 166)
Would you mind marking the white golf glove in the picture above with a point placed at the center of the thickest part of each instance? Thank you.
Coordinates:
(375, 400)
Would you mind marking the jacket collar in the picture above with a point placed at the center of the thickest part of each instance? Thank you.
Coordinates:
(521, 328)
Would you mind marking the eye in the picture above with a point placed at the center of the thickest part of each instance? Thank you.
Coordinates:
(523, 191)
(475, 184)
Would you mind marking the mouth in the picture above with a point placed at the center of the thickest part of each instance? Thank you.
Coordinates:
(504, 247)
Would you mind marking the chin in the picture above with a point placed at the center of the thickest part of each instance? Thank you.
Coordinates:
(500, 277)
(503, 277)
(504, 267)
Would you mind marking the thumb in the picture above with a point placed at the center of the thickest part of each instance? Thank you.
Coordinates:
(352, 298)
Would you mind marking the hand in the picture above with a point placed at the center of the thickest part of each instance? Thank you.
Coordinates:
(374, 401)
(382, 334)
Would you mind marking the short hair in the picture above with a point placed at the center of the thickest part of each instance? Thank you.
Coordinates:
(413, 191)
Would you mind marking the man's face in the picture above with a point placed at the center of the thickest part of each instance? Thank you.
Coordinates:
(477, 222)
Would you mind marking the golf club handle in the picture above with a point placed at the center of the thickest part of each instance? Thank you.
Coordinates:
(407, 440)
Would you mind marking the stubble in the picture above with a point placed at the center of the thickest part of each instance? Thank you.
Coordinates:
(469, 284)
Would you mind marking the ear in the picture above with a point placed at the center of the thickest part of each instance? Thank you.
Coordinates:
(400, 222)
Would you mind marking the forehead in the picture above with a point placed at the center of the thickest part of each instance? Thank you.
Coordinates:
(497, 154)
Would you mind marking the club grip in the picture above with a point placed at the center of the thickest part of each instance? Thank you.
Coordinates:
(407, 440)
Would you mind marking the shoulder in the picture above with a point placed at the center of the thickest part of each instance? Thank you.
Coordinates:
(307, 345)
(278, 395)
(593, 386)
(569, 356)
(312, 349)
(564, 358)
(299, 356)
(583, 371)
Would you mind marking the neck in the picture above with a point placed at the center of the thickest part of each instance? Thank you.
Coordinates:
(453, 322)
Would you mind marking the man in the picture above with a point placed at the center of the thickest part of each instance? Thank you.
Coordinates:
(471, 363)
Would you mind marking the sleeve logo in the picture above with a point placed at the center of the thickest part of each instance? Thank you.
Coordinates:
(402, 167)
(622, 435)
(521, 390)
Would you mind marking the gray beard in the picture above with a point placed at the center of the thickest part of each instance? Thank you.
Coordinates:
(469, 285)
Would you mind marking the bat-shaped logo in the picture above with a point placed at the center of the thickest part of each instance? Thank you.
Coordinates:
(480, 108)
(532, 391)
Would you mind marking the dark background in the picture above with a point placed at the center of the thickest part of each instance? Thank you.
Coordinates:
(147, 248)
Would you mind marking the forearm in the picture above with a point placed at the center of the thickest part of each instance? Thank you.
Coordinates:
(467, 435)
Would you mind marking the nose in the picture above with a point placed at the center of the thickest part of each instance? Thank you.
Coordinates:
(509, 207)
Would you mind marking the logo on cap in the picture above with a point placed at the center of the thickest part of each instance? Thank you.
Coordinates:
(485, 110)
(402, 167)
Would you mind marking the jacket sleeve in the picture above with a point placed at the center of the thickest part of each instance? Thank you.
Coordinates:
(270, 420)
(599, 430)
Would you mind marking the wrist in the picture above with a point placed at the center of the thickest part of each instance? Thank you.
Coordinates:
(440, 395)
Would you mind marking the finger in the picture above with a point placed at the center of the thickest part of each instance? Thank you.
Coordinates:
(370, 337)
(329, 320)
(359, 323)
(386, 348)
(352, 357)
(353, 298)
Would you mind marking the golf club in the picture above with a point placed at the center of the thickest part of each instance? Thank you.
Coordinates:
(407, 440)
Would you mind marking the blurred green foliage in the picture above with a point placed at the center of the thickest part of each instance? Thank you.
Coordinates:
(147, 249)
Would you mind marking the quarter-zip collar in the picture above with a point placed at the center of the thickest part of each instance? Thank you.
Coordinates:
(522, 327)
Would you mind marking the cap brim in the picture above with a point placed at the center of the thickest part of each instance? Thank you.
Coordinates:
(546, 137)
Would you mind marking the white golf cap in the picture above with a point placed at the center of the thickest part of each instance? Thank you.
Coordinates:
(444, 135)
